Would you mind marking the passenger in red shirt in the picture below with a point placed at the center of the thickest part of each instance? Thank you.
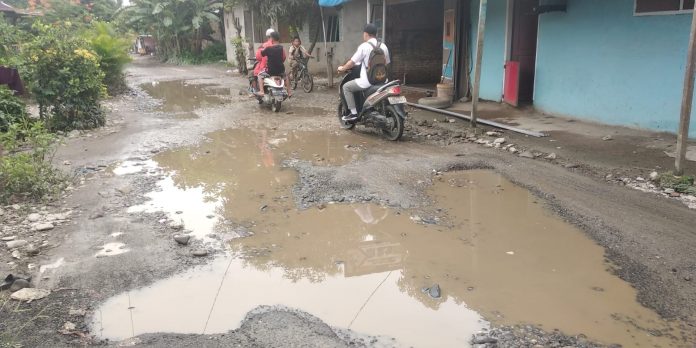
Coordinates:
(275, 62)
(262, 61)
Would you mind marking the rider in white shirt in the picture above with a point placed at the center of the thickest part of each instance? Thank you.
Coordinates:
(361, 57)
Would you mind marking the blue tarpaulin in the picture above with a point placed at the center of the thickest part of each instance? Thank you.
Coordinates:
(330, 3)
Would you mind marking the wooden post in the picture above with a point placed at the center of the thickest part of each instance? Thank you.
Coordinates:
(384, 20)
(477, 64)
(329, 56)
(687, 97)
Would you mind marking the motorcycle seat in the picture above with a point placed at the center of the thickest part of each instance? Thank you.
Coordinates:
(372, 89)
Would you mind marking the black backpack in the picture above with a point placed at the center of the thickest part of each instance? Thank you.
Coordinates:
(377, 65)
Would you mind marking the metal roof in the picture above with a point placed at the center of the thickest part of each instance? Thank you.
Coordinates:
(6, 8)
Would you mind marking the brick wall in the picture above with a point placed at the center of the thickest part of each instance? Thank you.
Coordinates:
(414, 36)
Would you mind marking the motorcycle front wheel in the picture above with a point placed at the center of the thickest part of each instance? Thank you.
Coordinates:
(396, 130)
(275, 106)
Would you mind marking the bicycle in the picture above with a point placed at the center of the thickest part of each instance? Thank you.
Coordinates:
(303, 76)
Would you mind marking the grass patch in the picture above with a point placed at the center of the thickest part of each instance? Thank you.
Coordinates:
(682, 184)
(26, 172)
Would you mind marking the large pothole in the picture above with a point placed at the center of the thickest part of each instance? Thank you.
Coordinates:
(494, 251)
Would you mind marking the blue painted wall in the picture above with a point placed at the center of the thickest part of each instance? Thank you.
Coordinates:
(598, 61)
(493, 49)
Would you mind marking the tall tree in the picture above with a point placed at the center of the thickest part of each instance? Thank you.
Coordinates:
(177, 24)
(293, 12)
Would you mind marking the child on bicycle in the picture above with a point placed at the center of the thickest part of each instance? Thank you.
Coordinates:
(297, 52)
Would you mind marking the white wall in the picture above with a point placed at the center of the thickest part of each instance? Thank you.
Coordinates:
(352, 19)
(231, 32)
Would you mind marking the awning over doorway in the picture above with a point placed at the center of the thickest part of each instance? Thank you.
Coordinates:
(330, 3)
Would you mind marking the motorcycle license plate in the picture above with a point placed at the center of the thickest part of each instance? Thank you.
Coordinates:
(397, 100)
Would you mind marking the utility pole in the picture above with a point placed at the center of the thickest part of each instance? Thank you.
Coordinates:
(687, 97)
(329, 55)
(477, 65)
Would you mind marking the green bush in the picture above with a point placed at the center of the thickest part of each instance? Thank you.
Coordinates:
(681, 184)
(9, 43)
(214, 53)
(113, 54)
(12, 109)
(26, 171)
(65, 78)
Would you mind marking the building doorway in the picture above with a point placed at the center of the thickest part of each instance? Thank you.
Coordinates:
(520, 65)
(414, 31)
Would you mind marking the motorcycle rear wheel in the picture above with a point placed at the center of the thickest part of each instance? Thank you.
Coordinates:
(275, 106)
(397, 129)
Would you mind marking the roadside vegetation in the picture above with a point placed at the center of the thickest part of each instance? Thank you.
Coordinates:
(185, 31)
(69, 59)
(680, 184)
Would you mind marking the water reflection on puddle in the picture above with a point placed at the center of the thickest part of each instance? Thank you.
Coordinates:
(373, 303)
(503, 258)
(134, 166)
(181, 99)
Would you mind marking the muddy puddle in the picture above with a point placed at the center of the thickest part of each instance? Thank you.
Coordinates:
(181, 99)
(226, 183)
(499, 256)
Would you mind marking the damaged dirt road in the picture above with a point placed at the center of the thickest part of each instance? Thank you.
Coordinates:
(199, 219)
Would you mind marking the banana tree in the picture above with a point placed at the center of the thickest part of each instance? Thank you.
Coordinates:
(203, 12)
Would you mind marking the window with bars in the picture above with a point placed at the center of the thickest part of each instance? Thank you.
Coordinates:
(376, 17)
(332, 22)
(662, 7)
(332, 29)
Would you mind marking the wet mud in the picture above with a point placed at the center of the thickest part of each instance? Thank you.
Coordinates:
(495, 252)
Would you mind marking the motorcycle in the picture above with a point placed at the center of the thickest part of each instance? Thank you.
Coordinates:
(275, 92)
(380, 106)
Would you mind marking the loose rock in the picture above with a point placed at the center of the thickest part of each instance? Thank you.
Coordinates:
(32, 250)
(16, 243)
(29, 294)
(182, 239)
(200, 253)
(654, 176)
(77, 312)
(125, 190)
(34, 217)
(527, 154)
(176, 225)
(552, 156)
(484, 340)
(433, 291)
(499, 141)
(44, 226)
(16, 254)
(19, 284)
